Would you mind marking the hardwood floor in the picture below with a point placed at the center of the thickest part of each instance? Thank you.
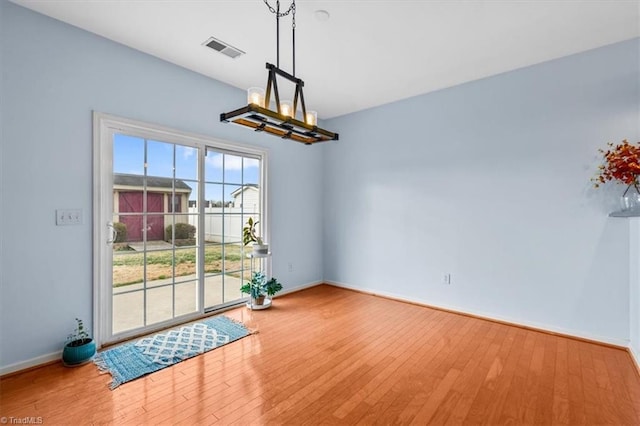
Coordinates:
(327, 355)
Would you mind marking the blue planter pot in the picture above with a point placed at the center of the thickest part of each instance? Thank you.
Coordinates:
(78, 355)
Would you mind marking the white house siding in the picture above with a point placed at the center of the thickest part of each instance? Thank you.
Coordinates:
(248, 199)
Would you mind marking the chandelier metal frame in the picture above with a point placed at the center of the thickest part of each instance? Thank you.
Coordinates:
(262, 119)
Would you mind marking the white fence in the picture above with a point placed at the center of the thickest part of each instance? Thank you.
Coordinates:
(222, 221)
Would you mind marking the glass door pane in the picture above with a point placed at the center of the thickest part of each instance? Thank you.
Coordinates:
(232, 194)
(156, 251)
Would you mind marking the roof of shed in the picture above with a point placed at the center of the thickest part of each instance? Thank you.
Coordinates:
(152, 181)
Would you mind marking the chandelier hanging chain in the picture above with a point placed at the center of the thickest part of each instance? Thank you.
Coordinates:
(292, 8)
(283, 121)
(293, 34)
(276, 11)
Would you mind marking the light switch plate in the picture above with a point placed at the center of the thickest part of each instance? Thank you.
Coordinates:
(68, 217)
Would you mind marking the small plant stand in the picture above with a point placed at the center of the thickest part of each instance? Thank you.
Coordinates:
(257, 258)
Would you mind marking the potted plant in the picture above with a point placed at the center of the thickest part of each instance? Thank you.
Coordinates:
(249, 235)
(80, 347)
(259, 288)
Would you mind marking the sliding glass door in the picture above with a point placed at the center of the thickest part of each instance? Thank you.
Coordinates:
(176, 206)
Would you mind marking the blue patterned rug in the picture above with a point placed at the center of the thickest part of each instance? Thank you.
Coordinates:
(149, 354)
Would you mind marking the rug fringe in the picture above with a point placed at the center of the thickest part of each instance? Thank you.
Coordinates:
(233, 320)
(236, 321)
(101, 364)
(104, 369)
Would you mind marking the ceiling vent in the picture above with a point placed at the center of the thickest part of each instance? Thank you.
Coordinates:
(222, 47)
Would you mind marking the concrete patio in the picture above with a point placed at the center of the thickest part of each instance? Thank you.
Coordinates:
(129, 301)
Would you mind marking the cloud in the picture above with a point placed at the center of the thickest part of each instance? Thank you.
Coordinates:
(231, 162)
(251, 162)
(187, 151)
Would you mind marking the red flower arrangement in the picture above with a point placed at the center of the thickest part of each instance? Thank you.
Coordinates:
(620, 162)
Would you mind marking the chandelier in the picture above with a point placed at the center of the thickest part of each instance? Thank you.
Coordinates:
(284, 121)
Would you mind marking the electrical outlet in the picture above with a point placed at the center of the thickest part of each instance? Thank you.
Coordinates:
(446, 279)
(69, 217)
(290, 267)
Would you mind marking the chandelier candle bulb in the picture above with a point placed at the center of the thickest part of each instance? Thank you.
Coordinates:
(286, 108)
(312, 118)
(255, 95)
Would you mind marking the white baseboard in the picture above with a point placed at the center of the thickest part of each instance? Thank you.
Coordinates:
(636, 356)
(43, 359)
(298, 288)
(622, 343)
(33, 362)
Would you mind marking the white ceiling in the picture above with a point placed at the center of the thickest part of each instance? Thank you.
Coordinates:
(369, 52)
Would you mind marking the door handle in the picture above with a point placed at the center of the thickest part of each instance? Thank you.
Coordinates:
(113, 233)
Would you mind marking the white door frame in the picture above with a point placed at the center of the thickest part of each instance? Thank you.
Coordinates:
(104, 128)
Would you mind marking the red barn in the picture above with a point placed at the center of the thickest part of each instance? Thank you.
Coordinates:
(164, 195)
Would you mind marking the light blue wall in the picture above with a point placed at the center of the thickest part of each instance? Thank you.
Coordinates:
(489, 181)
(53, 76)
(634, 287)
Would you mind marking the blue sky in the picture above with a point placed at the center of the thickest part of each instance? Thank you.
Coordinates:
(223, 173)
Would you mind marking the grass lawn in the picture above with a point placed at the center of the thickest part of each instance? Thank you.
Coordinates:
(128, 266)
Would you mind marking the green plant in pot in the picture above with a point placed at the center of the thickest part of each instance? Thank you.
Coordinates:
(80, 347)
(259, 288)
(249, 235)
